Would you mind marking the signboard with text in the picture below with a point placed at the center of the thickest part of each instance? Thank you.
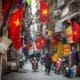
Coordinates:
(66, 50)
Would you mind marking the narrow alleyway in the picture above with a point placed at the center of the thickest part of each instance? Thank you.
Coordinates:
(45, 30)
(28, 74)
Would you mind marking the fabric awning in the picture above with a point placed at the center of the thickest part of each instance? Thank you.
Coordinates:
(4, 44)
(59, 24)
(68, 17)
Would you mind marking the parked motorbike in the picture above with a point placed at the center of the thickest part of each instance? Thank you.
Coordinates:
(34, 64)
(21, 61)
(58, 67)
(66, 71)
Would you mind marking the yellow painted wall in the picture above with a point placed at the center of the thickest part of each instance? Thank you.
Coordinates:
(59, 48)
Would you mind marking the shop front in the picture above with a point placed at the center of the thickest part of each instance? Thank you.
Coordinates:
(71, 35)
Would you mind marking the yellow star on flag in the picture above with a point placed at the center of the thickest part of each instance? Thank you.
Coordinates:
(44, 11)
(17, 22)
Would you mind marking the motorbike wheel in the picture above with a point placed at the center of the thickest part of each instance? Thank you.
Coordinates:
(35, 67)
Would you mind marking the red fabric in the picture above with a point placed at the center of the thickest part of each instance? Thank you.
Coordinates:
(55, 41)
(15, 27)
(76, 31)
(17, 43)
(5, 6)
(44, 17)
(15, 2)
(16, 15)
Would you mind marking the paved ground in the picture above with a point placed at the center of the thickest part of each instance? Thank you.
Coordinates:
(28, 74)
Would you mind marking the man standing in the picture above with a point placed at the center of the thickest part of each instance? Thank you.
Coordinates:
(48, 63)
(25, 51)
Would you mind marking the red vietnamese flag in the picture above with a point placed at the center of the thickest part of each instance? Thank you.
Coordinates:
(44, 12)
(17, 43)
(15, 27)
(76, 31)
(15, 20)
(40, 42)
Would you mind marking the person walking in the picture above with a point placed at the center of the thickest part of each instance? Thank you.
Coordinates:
(25, 52)
(74, 67)
(48, 63)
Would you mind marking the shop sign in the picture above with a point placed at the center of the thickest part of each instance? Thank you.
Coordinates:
(66, 50)
(69, 34)
(59, 27)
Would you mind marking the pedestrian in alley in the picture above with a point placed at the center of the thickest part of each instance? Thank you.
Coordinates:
(25, 51)
(74, 67)
(48, 63)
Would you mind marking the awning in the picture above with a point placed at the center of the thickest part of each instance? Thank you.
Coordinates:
(4, 44)
(59, 24)
(69, 17)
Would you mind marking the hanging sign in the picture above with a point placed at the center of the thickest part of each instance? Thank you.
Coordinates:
(66, 50)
